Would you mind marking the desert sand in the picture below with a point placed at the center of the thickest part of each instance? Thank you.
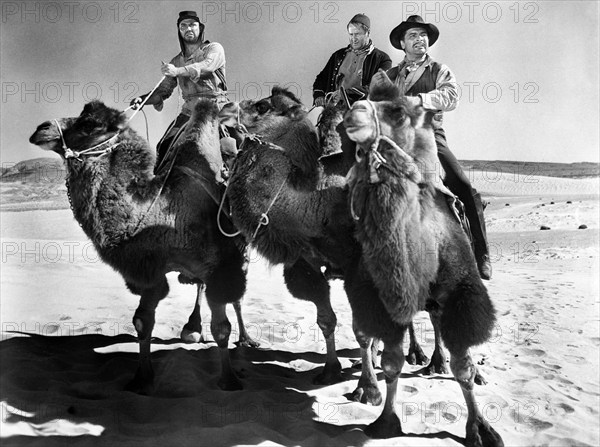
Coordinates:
(68, 346)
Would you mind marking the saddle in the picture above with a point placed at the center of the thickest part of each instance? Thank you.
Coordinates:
(457, 208)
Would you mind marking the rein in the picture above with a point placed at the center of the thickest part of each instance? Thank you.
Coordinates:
(106, 147)
(99, 150)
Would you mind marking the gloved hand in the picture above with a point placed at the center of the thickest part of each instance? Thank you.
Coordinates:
(135, 102)
(319, 101)
(380, 79)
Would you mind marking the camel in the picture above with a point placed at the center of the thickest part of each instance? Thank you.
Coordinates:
(414, 250)
(320, 210)
(302, 224)
(145, 225)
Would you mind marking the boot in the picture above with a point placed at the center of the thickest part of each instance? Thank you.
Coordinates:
(478, 231)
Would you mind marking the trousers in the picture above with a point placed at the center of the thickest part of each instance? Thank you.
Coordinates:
(456, 180)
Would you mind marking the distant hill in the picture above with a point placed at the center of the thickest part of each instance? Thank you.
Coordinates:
(524, 168)
(36, 170)
(39, 183)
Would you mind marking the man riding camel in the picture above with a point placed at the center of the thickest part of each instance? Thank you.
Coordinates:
(351, 67)
(199, 69)
(434, 86)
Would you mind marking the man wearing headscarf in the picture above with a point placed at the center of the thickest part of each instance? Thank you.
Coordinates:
(199, 70)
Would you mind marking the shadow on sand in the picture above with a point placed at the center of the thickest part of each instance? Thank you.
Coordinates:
(70, 390)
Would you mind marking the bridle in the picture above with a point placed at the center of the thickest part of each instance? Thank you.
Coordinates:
(106, 147)
(375, 160)
(99, 150)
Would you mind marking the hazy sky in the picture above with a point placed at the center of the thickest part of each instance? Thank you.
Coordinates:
(528, 71)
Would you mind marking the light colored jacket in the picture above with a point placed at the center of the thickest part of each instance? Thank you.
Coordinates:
(206, 67)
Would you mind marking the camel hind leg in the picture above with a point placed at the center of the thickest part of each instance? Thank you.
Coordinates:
(307, 283)
(192, 330)
(415, 356)
(244, 339)
(468, 317)
(226, 284)
(143, 321)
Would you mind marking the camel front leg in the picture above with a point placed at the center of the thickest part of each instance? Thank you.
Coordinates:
(245, 339)
(192, 331)
(143, 321)
(479, 432)
(220, 328)
(388, 424)
(367, 390)
(327, 322)
(308, 283)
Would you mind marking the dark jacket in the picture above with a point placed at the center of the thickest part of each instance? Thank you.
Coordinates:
(326, 80)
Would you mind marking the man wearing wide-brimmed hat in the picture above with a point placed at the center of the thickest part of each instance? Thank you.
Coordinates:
(199, 69)
(435, 86)
(351, 67)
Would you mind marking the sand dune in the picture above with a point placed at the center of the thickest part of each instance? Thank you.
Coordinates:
(68, 347)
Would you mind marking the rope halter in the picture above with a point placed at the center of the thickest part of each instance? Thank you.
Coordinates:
(376, 160)
(99, 150)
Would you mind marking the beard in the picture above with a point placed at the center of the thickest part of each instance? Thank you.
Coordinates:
(190, 38)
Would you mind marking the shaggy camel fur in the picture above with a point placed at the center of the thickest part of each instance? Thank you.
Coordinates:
(280, 181)
(320, 211)
(415, 252)
(145, 226)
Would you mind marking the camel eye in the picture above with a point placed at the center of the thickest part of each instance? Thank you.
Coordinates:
(88, 125)
(397, 114)
(263, 107)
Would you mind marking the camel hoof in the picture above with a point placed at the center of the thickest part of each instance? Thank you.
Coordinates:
(481, 434)
(368, 395)
(331, 374)
(247, 342)
(230, 382)
(190, 336)
(479, 379)
(435, 369)
(385, 427)
(416, 357)
(142, 383)
(437, 365)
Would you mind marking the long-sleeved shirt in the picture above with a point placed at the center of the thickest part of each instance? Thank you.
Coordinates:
(432, 81)
(206, 69)
(326, 80)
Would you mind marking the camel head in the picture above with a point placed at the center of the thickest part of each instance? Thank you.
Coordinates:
(386, 114)
(399, 123)
(97, 123)
(262, 117)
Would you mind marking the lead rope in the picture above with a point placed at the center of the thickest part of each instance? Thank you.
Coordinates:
(264, 217)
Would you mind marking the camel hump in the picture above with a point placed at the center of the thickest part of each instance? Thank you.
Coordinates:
(205, 110)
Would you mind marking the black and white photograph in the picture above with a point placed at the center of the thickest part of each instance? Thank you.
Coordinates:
(300, 223)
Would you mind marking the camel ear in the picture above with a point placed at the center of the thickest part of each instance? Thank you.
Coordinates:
(296, 112)
(414, 110)
(382, 88)
(117, 122)
(228, 114)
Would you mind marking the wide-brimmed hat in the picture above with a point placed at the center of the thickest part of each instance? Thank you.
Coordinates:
(415, 21)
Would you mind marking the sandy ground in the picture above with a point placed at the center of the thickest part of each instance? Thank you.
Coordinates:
(68, 346)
